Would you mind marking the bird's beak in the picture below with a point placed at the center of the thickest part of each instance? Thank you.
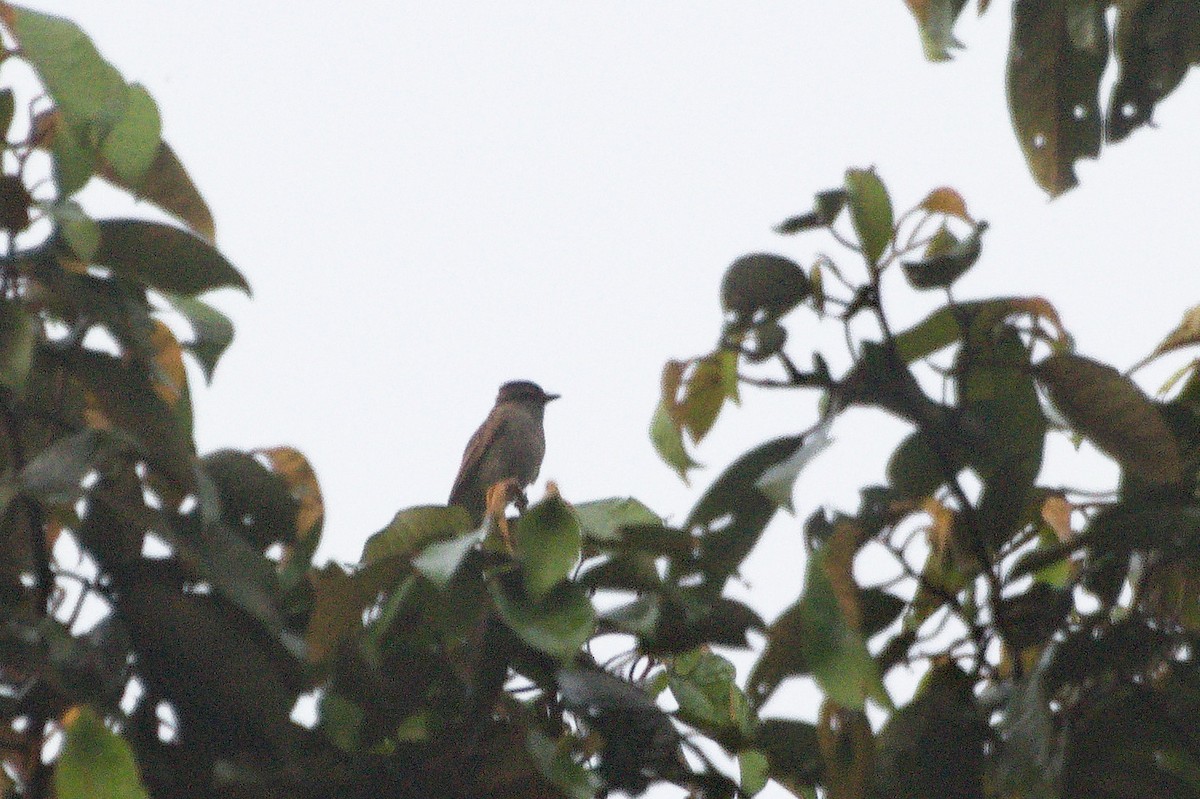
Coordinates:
(552, 397)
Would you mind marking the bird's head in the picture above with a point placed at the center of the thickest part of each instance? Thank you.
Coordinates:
(524, 391)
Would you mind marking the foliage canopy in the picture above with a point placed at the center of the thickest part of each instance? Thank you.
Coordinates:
(1058, 630)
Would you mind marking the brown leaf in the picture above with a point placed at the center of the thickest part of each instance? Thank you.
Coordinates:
(1185, 334)
(1112, 411)
(171, 379)
(848, 750)
(1056, 512)
(1056, 57)
(168, 185)
(945, 200)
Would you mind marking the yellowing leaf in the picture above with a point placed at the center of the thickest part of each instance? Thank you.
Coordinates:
(1056, 512)
(935, 20)
(945, 200)
(941, 525)
(290, 464)
(1112, 411)
(171, 377)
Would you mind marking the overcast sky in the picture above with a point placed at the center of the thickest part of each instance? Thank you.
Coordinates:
(432, 198)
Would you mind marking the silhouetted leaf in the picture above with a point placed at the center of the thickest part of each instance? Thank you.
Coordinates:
(761, 287)
(734, 510)
(55, 474)
(915, 471)
(1056, 58)
(291, 464)
(940, 269)
(935, 745)
(792, 750)
(778, 480)
(1155, 43)
(255, 502)
(547, 541)
(95, 763)
(164, 257)
(126, 397)
(7, 107)
(826, 207)
(1112, 411)
(870, 211)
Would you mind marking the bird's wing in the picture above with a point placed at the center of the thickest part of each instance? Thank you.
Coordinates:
(473, 456)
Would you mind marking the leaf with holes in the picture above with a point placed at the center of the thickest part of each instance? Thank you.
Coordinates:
(1055, 61)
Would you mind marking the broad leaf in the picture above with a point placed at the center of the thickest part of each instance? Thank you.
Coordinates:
(602, 519)
(667, 437)
(559, 624)
(55, 474)
(870, 211)
(164, 257)
(412, 529)
(212, 332)
(167, 184)
(734, 511)
(95, 763)
(1155, 43)
(1112, 411)
(1058, 52)
(938, 269)
(547, 541)
(18, 335)
(761, 287)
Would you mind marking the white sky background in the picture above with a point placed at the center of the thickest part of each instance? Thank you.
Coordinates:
(432, 198)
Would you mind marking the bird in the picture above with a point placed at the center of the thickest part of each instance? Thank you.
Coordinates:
(508, 445)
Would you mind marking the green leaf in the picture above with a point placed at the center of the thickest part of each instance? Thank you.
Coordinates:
(414, 528)
(946, 262)
(341, 720)
(754, 770)
(212, 332)
(667, 437)
(132, 144)
(935, 20)
(711, 381)
(1112, 411)
(1002, 410)
(826, 207)
(547, 542)
(559, 768)
(602, 519)
(815, 636)
(74, 162)
(95, 763)
(870, 211)
(705, 686)
(915, 471)
(256, 502)
(1057, 55)
(18, 335)
(558, 625)
(164, 257)
(78, 230)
